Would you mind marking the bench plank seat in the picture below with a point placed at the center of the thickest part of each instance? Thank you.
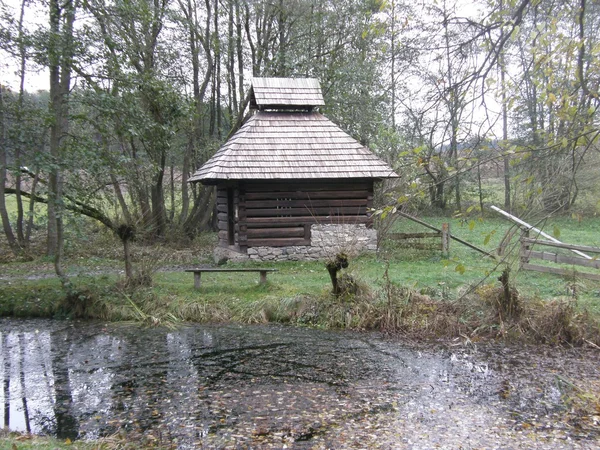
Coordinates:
(198, 273)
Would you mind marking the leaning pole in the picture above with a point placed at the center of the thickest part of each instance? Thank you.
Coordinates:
(537, 230)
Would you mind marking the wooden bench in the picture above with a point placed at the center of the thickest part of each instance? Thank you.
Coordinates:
(198, 273)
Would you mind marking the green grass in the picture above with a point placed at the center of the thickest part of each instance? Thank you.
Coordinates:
(40, 443)
(11, 206)
(427, 269)
(18, 441)
(239, 297)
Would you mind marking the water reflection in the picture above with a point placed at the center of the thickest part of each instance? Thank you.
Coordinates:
(214, 385)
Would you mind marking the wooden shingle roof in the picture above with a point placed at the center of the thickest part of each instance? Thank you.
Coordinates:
(276, 145)
(286, 93)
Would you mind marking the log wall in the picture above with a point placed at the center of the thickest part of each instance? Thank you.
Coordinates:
(279, 214)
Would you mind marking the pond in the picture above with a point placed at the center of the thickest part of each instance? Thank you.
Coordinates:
(229, 386)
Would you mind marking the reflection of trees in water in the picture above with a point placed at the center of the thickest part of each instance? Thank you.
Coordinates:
(67, 424)
(84, 380)
(6, 379)
(136, 382)
(22, 380)
(93, 361)
(80, 377)
(55, 381)
(23, 371)
(15, 412)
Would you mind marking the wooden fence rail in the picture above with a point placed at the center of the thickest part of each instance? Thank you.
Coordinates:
(405, 240)
(528, 253)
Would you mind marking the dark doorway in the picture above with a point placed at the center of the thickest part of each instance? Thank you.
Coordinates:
(230, 218)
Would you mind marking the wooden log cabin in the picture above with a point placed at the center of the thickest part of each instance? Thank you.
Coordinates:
(290, 183)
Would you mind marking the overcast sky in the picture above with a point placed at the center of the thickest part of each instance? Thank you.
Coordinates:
(36, 15)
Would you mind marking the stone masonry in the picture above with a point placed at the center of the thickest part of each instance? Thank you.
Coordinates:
(326, 241)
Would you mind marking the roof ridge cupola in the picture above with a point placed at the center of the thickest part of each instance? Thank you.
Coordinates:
(294, 94)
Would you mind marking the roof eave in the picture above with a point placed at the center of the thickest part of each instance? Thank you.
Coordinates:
(212, 180)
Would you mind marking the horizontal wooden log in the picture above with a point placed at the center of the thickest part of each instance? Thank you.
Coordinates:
(277, 242)
(414, 235)
(278, 212)
(304, 195)
(317, 185)
(561, 259)
(558, 271)
(257, 222)
(222, 208)
(265, 222)
(419, 245)
(214, 270)
(221, 225)
(581, 248)
(276, 232)
(310, 203)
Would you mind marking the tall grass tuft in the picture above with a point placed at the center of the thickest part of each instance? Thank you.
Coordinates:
(560, 322)
(82, 303)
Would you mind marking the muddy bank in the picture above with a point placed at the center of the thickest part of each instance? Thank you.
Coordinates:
(272, 386)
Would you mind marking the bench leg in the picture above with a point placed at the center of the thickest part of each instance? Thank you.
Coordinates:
(263, 276)
(197, 279)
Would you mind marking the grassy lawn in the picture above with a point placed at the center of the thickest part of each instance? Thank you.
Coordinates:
(425, 269)
(95, 271)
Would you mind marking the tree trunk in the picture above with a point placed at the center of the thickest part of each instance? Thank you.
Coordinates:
(185, 193)
(233, 104)
(18, 147)
(126, 233)
(172, 191)
(55, 129)
(240, 54)
(393, 62)
(201, 212)
(218, 73)
(159, 217)
(505, 157)
(127, 255)
(121, 199)
(10, 237)
(437, 195)
(31, 207)
(282, 59)
(479, 188)
(60, 59)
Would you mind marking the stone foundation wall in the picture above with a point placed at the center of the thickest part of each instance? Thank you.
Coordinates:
(326, 241)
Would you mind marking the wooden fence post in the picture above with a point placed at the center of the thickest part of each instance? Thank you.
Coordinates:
(445, 240)
(524, 252)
